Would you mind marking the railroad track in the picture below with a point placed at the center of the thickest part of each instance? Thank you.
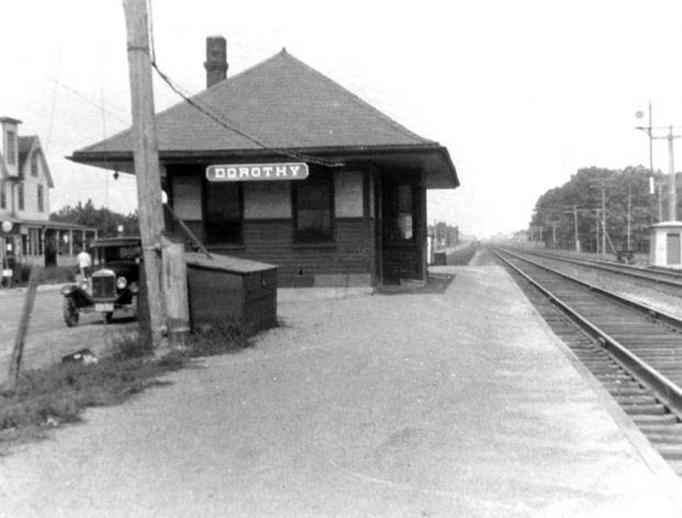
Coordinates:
(634, 351)
(660, 276)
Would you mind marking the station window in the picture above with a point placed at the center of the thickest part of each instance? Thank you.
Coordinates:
(402, 209)
(224, 213)
(313, 201)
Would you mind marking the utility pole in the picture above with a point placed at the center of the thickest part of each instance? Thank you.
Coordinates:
(651, 144)
(672, 187)
(652, 184)
(596, 230)
(146, 158)
(554, 224)
(629, 243)
(603, 221)
(575, 227)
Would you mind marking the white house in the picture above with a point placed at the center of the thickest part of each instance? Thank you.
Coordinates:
(26, 234)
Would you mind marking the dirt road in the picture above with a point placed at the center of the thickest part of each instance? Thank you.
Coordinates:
(48, 338)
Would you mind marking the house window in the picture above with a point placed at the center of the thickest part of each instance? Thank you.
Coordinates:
(313, 209)
(35, 242)
(3, 196)
(20, 196)
(11, 137)
(34, 164)
(223, 213)
(41, 204)
(402, 210)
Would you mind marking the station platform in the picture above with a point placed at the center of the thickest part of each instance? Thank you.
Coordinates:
(454, 404)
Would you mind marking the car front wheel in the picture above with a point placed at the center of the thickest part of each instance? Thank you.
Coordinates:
(70, 312)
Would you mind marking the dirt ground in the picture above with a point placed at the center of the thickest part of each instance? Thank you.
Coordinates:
(48, 338)
(419, 405)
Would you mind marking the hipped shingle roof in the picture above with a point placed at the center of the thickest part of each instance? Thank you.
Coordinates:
(283, 104)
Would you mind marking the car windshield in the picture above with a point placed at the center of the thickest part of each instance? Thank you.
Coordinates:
(118, 253)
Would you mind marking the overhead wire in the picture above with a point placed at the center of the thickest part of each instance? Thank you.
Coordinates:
(86, 99)
(222, 120)
(49, 128)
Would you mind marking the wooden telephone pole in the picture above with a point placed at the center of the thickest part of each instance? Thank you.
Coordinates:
(146, 157)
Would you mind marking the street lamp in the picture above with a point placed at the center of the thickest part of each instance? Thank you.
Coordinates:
(648, 130)
(672, 187)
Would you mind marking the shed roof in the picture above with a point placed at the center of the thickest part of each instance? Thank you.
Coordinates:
(282, 103)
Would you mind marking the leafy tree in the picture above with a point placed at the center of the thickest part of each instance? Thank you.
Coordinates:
(626, 197)
(103, 219)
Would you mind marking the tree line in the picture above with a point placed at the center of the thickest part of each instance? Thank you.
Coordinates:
(630, 210)
(104, 220)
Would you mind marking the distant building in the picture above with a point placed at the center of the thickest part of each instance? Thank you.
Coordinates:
(358, 218)
(26, 234)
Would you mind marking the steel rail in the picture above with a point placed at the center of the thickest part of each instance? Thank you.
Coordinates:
(653, 312)
(622, 269)
(669, 393)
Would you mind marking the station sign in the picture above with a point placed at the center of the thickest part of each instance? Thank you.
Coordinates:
(257, 172)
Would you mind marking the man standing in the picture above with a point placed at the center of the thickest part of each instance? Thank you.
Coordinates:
(84, 264)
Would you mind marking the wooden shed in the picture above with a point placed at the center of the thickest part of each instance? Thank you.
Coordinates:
(227, 291)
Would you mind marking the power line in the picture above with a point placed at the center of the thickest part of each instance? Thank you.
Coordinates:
(87, 100)
(208, 110)
(54, 102)
(221, 122)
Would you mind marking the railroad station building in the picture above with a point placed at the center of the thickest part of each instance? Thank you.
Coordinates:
(27, 236)
(348, 206)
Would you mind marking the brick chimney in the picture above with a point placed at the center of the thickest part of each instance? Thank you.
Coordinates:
(216, 60)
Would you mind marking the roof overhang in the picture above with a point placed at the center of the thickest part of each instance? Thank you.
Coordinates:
(433, 159)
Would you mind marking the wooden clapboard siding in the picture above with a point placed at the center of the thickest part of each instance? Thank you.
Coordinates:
(403, 262)
(271, 241)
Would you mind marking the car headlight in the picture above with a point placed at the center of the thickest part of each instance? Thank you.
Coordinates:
(121, 283)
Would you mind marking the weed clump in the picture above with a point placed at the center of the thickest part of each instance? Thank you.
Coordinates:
(48, 397)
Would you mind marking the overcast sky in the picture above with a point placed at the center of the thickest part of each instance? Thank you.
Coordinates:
(523, 93)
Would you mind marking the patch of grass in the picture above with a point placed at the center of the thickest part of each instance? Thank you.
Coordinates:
(48, 397)
(58, 394)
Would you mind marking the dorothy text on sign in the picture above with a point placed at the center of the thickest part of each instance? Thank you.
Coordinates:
(257, 172)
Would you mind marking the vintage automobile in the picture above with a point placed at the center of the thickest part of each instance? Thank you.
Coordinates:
(114, 283)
